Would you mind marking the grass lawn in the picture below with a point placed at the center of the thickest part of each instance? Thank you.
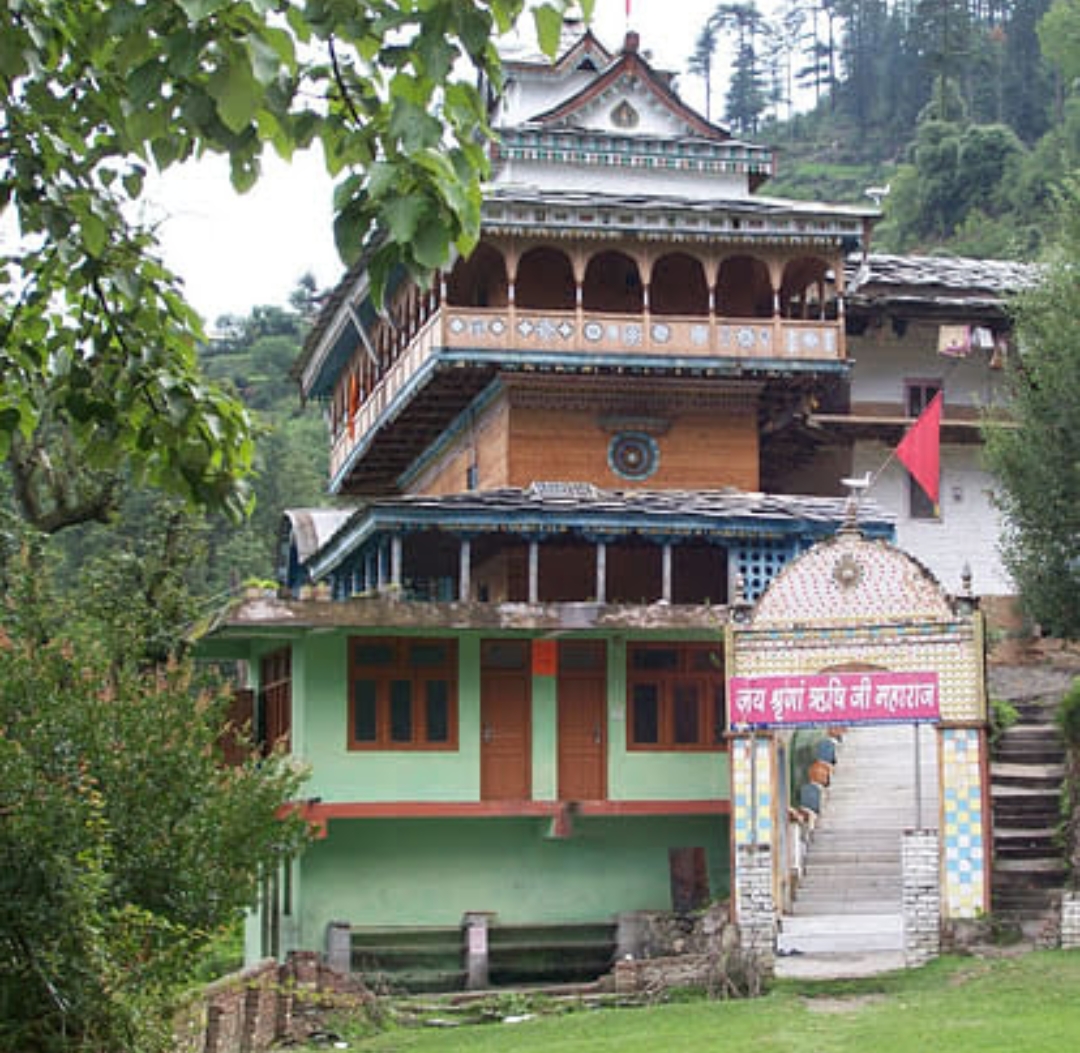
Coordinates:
(1024, 1004)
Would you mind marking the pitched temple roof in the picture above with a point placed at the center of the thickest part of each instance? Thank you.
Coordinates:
(630, 67)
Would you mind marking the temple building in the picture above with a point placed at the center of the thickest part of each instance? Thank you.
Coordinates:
(568, 471)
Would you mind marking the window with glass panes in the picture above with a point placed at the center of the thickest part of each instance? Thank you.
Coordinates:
(675, 697)
(402, 694)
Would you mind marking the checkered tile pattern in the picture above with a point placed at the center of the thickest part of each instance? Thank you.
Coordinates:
(743, 786)
(962, 815)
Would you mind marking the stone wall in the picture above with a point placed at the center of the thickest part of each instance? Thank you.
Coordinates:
(661, 950)
(646, 934)
(922, 896)
(756, 909)
(251, 1010)
(1070, 920)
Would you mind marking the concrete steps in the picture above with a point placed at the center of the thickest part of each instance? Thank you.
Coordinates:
(841, 934)
(846, 919)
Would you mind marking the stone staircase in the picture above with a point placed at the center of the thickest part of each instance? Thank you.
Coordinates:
(1027, 766)
(847, 919)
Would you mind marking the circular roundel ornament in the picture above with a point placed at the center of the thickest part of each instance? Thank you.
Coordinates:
(633, 455)
(848, 572)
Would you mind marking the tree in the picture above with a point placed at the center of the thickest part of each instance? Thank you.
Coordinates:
(125, 840)
(1038, 461)
(746, 98)
(700, 62)
(97, 345)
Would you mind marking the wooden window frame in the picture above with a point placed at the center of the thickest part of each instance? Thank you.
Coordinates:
(710, 684)
(275, 699)
(400, 670)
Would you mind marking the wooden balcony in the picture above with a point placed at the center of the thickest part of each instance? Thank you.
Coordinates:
(479, 339)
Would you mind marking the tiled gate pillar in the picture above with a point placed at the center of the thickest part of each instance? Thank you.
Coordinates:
(964, 824)
(753, 778)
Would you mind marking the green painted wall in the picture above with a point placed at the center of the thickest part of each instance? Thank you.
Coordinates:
(430, 872)
(635, 775)
(320, 731)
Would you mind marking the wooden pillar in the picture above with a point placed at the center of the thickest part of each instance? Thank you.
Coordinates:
(465, 571)
(534, 571)
(395, 562)
(666, 572)
(601, 572)
(380, 567)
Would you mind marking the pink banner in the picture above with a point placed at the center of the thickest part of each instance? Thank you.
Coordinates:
(832, 698)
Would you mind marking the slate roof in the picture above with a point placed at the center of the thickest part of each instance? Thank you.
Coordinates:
(519, 194)
(548, 506)
(938, 280)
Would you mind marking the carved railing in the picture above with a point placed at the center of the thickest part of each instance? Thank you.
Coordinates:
(577, 334)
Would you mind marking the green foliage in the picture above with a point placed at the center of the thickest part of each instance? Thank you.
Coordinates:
(126, 845)
(1068, 716)
(97, 345)
(1068, 720)
(1059, 37)
(1038, 461)
(1003, 715)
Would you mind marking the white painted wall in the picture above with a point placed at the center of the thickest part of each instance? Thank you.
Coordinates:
(626, 181)
(884, 360)
(524, 97)
(969, 529)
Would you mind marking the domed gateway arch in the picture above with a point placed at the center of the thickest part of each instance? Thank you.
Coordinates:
(858, 720)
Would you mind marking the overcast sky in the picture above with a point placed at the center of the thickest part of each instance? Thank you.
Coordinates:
(235, 251)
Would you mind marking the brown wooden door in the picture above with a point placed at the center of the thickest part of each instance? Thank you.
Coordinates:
(505, 726)
(582, 691)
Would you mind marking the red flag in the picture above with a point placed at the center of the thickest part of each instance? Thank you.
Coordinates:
(920, 449)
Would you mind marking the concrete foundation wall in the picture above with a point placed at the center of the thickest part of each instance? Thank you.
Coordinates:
(432, 872)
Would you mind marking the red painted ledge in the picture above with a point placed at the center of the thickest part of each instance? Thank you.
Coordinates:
(319, 813)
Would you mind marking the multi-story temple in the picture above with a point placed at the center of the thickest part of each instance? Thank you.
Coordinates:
(572, 459)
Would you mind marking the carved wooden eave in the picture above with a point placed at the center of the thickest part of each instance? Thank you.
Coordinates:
(526, 211)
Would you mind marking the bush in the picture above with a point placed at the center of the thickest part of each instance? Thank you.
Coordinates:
(1068, 716)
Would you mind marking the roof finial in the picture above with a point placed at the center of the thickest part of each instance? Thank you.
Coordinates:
(632, 43)
(856, 488)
